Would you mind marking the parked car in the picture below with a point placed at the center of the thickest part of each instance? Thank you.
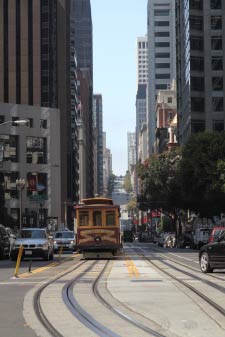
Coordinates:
(212, 255)
(200, 237)
(36, 243)
(4, 243)
(66, 239)
(11, 235)
(216, 232)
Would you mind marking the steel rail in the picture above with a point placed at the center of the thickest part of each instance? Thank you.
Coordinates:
(37, 303)
(118, 312)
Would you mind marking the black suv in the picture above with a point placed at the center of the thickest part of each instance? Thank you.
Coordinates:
(4, 242)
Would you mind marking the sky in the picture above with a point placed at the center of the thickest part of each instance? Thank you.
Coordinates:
(116, 26)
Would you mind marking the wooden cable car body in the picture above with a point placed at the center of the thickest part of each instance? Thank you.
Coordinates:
(97, 227)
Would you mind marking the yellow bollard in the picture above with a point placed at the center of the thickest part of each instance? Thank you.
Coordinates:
(60, 252)
(18, 261)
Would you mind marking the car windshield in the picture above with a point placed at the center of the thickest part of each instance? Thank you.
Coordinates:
(64, 235)
(32, 234)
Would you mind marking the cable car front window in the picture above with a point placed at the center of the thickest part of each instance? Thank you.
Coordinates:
(84, 218)
(97, 218)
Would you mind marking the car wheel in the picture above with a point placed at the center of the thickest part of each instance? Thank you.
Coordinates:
(204, 263)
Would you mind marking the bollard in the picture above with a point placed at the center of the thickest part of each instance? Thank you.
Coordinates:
(60, 252)
(18, 260)
(29, 269)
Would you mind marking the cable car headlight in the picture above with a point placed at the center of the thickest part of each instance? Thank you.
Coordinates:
(97, 239)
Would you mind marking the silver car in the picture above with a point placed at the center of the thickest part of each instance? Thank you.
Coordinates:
(65, 239)
(36, 243)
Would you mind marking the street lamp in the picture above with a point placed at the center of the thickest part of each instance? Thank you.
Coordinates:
(20, 183)
(18, 121)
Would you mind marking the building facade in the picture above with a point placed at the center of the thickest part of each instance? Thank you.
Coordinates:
(161, 57)
(131, 150)
(35, 70)
(31, 153)
(200, 66)
(142, 60)
(98, 124)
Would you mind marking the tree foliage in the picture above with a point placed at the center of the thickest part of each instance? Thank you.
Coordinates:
(127, 183)
(189, 178)
(203, 173)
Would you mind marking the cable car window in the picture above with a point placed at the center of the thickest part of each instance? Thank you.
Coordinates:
(97, 218)
(110, 219)
(83, 218)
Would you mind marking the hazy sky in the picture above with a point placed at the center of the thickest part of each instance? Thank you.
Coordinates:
(116, 25)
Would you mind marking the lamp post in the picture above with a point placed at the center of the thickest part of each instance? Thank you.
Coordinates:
(18, 122)
(20, 183)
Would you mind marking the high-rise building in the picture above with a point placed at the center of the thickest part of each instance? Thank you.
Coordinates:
(97, 123)
(36, 50)
(107, 165)
(131, 150)
(142, 60)
(161, 56)
(200, 66)
(84, 51)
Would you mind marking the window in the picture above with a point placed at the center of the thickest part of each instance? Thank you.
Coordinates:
(162, 12)
(197, 63)
(83, 218)
(197, 83)
(196, 43)
(216, 43)
(43, 123)
(162, 55)
(170, 100)
(217, 83)
(110, 218)
(217, 63)
(30, 122)
(9, 185)
(162, 23)
(162, 44)
(196, 4)
(97, 218)
(216, 22)
(36, 150)
(9, 148)
(216, 4)
(162, 76)
(217, 103)
(197, 104)
(197, 126)
(218, 125)
(2, 119)
(162, 65)
(162, 34)
(37, 186)
(161, 86)
(196, 22)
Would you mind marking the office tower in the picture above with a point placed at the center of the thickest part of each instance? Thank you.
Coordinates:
(200, 66)
(142, 60)
(97, 123)
(84, 51)
(161, 57)
(131, 150)
(35, 70)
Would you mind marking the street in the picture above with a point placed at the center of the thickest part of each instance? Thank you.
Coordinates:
(145, 291)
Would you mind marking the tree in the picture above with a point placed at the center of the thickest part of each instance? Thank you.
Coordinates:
(161, 183)
(202, 172)
(127, 183)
